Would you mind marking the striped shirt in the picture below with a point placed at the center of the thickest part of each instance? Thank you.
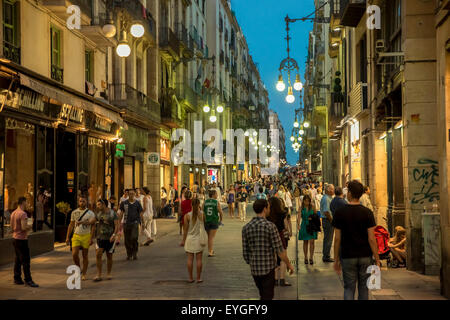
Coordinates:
(260, 242)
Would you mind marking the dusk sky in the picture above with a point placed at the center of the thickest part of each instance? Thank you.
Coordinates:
(262, 22)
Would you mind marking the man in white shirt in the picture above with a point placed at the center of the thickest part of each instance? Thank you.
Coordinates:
(81, 222)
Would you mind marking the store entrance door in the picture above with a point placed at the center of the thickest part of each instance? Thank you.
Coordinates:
(65, 189)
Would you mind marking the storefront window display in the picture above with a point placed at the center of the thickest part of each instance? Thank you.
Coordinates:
(96, 171)
(19, 179)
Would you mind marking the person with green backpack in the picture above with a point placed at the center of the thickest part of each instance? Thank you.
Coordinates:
(213, 217)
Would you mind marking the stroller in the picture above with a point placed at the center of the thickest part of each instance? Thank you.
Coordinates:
(382, 237)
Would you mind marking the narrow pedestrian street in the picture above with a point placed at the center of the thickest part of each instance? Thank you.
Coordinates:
(160, 273)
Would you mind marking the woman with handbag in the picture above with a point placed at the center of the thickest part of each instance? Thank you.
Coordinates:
(307, 233)
(278, 216)
(195, 239)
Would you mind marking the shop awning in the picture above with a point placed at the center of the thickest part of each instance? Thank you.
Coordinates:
(70, 99)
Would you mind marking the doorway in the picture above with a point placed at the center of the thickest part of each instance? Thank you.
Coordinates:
(65, 189)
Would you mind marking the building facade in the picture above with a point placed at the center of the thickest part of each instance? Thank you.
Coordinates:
(387, 116)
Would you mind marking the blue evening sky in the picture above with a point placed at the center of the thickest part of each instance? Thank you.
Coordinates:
(262, 22)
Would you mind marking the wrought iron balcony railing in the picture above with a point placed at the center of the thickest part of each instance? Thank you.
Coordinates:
(57, 73)
(131, 99)
(11, 52)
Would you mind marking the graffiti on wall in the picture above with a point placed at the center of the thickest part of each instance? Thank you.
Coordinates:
(427, 178)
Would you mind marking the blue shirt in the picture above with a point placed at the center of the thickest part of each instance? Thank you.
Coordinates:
(325, 205)
(336, 204)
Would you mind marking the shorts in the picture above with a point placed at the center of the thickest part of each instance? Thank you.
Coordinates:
(211, 226)
(81, 240)
(106, 245)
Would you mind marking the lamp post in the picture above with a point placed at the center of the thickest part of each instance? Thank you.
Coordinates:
(289, 64)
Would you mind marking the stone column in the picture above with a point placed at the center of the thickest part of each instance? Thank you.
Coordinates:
(153, 171)
(420, 152)
(443, 123)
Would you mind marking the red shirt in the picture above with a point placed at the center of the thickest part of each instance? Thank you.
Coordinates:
(186, 207)
(16, 217)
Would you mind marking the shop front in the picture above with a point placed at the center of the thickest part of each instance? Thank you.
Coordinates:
(54, 145)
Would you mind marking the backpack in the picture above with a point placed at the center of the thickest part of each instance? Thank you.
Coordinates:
(382, 237)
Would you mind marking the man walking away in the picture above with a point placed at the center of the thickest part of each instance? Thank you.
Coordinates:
(326, 222)
(338, 201)
(81, 222)
(260, 242)
(355, 243)
(132, 212)
(213, 217)
(20, 228)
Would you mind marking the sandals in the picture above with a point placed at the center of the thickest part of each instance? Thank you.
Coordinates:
(97, 279)
(311, 261)
(212, 254)
(199, 281)
(306, 261)
(191, 281)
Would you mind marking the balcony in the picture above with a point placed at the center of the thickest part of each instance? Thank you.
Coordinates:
(351, 12)
(171, 111)
(185, 39)
(168, 43)
(134, 101)
(57, 73)
(59, 8)
(358, 99)
(139, 13)
(11, 52)
(188, 96)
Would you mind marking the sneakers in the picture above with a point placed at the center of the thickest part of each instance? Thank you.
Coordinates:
(31, 284)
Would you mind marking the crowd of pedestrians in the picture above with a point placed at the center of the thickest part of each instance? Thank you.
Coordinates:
(344, 216)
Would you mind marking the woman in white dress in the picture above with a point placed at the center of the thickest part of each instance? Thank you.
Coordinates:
(149, 225)
(194, 239)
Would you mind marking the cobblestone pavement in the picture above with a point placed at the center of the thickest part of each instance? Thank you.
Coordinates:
(160, 273)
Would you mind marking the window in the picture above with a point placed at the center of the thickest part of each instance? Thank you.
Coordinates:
(89, 64)
(11, 32)
(55, 51)
(18, 159)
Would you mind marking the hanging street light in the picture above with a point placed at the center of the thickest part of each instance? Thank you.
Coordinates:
(206, 109)
(298, 85)
(301, 132)
(219, 109)
(296, 124)
(280, 84)
(123, 50)
(290, 97)
(306, 124)
(292, 138)
(137, 30)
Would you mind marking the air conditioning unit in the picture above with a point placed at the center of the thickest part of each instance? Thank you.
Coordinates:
(380, 45)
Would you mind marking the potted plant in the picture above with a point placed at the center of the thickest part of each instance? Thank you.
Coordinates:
(61, 231)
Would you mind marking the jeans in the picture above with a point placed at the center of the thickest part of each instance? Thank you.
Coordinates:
(328, 232)
(353, 271)
(22, 260)
(266, 285)
(131, 232)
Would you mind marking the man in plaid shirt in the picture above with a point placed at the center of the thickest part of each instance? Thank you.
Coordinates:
(261, 242)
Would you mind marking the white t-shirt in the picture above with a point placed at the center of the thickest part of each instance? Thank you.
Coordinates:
(82, 229)
(141, 200)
